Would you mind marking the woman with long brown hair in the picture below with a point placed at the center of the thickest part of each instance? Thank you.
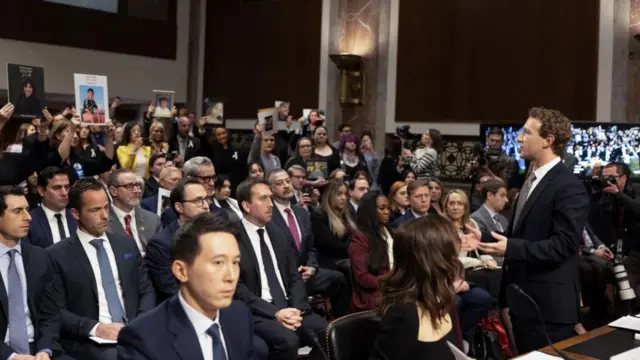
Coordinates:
(332, 225)
(418, 297)
(437, 188)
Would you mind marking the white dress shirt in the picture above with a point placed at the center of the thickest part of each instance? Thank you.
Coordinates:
(201, 324)
(53, 222)
(252, 231)
(355, 206)
(104, 316)
(134, 227)
(389, 239)
(417, 216)
(5, 260)
(282, 209)
(541, 172)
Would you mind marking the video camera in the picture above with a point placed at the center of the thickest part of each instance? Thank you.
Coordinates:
(600, 183)
(486, 156)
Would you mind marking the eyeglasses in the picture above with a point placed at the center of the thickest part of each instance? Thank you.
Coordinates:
(129, 187)
(199, 201)
(207, 179)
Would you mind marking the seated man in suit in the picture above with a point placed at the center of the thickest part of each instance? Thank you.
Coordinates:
(307, 201)
(488, 216)
(270, 283)
(188, 199)
(296, 222)
(202, 320)
(51, 222)
(156, 164)
(26, 271)
(419, 202)
(594, 274)
(202, 169)
(357, 188)
(169, 177)
(126, 217)
(99, 282)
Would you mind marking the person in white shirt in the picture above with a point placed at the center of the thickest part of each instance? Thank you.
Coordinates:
(127, 217)
(51, 221)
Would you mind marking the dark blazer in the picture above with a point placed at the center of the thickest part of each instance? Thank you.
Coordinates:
(150, 187)
(542, 252)
(194, 147)
(75, 295)
(330, 248)
(249, 288)
(307, 252)
(40, 231)
(366, 289)
(147, 223)
(158, 260)
(169, 216)
(408, 215)
(38, 269)
(352, 210)
(486, 223)
(165, 333)
(150, 203)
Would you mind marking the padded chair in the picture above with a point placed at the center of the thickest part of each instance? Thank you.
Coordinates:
(351, 337)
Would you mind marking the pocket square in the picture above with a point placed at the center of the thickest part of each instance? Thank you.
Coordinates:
(128, 256)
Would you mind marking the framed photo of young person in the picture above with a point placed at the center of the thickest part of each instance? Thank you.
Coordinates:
(163, 102)
(92, 99)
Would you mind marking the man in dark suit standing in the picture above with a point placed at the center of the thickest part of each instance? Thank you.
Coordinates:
(202, 169)
(51, 222)
(26, 271)
(270, 283)
(183, 142)
(296, 222)
(357, 189)
(188, 199)
(419, 202)
(99, 281)
(156, 164)
(541, 249)
(201, 321)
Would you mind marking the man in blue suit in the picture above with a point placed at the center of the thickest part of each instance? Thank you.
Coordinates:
(202, 321)
(51, 222)
(202, 169)
(419, 202)
(169, 177)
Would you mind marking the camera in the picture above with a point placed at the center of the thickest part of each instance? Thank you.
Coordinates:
(403, 131)
(622, 279)
(603, 182)
(307, 190)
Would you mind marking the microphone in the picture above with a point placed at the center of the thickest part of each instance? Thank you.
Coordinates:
(316, 341)
(544, 328)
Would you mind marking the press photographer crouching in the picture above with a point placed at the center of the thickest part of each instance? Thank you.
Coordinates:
(615, 217)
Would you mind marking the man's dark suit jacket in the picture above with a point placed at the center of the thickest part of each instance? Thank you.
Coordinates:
(150, 187)
(75, 294)
(307, 252)
(40, 231)
(169, 216)
(165, 333)
(542, 249)
(158, 260)
(150, 204)
(194, 147)
(408, 215)
(38, 269)
(249, 288)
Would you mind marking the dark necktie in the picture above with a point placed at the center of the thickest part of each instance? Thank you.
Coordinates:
(218, 348)
(63, 234)
(18, 335)
(522, 197)
(277, 295)
(108, 283)
(291, 223)
(127, 225)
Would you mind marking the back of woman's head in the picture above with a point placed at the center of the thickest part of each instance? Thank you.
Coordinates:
(367, 214)
(425, 267)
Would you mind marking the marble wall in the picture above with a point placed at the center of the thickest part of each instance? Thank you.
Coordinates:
(633, 69)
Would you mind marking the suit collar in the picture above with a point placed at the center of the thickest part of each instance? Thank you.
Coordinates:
(81, 257)
(41, 218)
(185, 342)
(548, 176)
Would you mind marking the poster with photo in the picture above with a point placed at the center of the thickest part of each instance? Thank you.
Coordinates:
(269, 118)
(92, 98)
(283, 109)
(163, 101)
(213, 112)
(317, 168)
(25, 86)
(313, 117)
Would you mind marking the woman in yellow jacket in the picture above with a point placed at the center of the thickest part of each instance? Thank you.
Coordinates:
(132, 153)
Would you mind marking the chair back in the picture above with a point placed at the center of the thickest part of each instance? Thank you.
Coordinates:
(351, 337)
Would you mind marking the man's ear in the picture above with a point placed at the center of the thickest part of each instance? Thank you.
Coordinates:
(75, 213)
(41, 191)
(549, 141)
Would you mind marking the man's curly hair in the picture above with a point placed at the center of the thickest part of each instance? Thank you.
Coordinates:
(553, 123)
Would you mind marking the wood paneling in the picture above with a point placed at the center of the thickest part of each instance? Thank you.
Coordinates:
(491, 60)
(56, 24)
(258, 53)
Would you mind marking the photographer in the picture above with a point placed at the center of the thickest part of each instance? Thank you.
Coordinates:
(616, 215)
(424, 160)
(392, 165)
(494, 161)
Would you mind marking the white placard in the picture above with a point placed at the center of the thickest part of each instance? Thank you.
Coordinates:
(92, 98)
(163, 195)
(269, 118)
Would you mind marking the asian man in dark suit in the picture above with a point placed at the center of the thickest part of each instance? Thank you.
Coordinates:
(26, 271)
(270, 283)
(202, 319)
(419, 202)
(296, 222)
(51, 222)
(99, 281)
(542, 242)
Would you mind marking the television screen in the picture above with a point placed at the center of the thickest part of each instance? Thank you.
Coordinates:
(593, 144)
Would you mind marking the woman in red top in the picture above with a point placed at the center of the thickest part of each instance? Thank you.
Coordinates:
(370, 251)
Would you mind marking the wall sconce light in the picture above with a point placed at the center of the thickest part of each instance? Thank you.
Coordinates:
(351, 78)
